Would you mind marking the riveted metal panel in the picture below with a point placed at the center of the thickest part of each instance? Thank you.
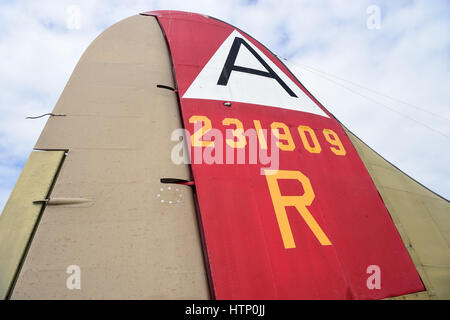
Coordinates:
(421, 217)
(258, 244)
(134, 238)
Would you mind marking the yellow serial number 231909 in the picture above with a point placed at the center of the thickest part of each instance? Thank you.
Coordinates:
(280, 130)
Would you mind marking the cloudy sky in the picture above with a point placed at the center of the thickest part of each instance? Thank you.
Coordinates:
(386, 79)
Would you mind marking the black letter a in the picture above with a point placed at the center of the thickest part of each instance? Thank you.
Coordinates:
(230, 66)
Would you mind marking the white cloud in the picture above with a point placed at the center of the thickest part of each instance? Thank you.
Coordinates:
(407, 58)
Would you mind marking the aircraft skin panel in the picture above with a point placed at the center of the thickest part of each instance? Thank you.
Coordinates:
(255, 223)
(421, 217)
(131, 236)
(312, 230)
(20, 215)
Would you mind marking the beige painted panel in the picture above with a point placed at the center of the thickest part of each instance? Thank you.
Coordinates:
(439, 212)
(20, 214)
(440, 281)
(126, 241)
(421, 217)
(413, 296)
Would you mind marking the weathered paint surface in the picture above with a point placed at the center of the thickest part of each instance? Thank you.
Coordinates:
(128, 244)
(131, 240)
(310, 231)
(421, 217)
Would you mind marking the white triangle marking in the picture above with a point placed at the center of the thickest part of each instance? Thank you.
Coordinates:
(246, 87)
